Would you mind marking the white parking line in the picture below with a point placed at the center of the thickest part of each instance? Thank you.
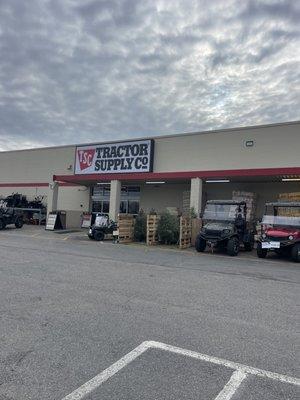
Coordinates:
(240, 371)
(95, 382)
(231, 386)
(229, 364)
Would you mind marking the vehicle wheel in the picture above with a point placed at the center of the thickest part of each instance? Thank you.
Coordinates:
(248, 246)
(2, 224)
(261, 253)
(233, 246)
(200, 244)
(19, 223)
(296, 252)
(98, 235)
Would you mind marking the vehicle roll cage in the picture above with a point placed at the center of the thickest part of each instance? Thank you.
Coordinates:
(227, 202)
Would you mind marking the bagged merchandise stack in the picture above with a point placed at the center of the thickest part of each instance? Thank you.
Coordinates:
(289, 211)
(250, 199)
(289, 196)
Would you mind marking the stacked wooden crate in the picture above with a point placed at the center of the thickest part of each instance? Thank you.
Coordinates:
(126, 228)
(186, 202)
(289, 211)
(251, 200)
(152, 224)
(185, 232)
(196, 227)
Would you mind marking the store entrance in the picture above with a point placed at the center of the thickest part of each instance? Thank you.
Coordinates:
(129, 204)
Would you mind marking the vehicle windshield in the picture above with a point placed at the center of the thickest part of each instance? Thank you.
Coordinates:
(220, 212)
(281, 220)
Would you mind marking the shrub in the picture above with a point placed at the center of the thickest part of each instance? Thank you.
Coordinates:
(168, 228)
(140, 227)
(193, 213)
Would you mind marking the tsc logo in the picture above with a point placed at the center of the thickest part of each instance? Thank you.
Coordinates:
(86, 158)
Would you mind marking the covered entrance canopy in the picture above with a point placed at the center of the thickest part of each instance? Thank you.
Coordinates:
(162, 188)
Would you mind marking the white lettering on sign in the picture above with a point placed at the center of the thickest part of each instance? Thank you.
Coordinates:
(115, 158)
(50, 225)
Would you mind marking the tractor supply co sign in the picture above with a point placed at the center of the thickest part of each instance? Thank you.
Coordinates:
(115, 158)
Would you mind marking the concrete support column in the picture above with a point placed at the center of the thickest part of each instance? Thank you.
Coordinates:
(52, 197)
(115, 198)
(196, 195)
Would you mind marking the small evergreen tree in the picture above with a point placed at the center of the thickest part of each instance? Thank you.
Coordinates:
(168, 228)
(140, 227)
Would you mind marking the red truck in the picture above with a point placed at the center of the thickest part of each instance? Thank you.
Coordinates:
(280, 230)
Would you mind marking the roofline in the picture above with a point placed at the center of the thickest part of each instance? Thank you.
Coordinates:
(212, 131)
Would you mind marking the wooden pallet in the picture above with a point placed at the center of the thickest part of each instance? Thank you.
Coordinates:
(152, 224)
(185, 232)
(196, 227)
(126, 228)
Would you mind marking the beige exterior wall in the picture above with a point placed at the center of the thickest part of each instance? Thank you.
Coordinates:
(161, 196)
(38, 165)
(274, 147)
(75, 198)
(171, 195)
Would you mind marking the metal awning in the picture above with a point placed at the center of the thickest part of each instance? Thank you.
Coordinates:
(236, 175)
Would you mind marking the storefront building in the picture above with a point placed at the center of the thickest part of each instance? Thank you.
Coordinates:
(179, 171)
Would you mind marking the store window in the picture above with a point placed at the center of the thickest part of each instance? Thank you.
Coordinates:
(100, 199)
(123, 207)
(130, 199)
(133, 206)
(105, 206)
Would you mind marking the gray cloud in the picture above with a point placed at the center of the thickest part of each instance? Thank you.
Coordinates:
(73, 71)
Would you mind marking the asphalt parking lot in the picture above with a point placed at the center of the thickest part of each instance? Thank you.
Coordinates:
(88, 320)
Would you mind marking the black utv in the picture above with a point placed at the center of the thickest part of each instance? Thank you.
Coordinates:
(10, 217)
(225, 227)
(101, 225)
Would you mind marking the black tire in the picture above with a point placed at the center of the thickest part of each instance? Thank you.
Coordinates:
(296, 252)
(248, 246)
(19, 223)
(233, 246)
(200, 244)
(2, 224)
(99, 236)
(261, 253)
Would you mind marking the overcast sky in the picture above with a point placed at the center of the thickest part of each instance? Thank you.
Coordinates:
(77, 71)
